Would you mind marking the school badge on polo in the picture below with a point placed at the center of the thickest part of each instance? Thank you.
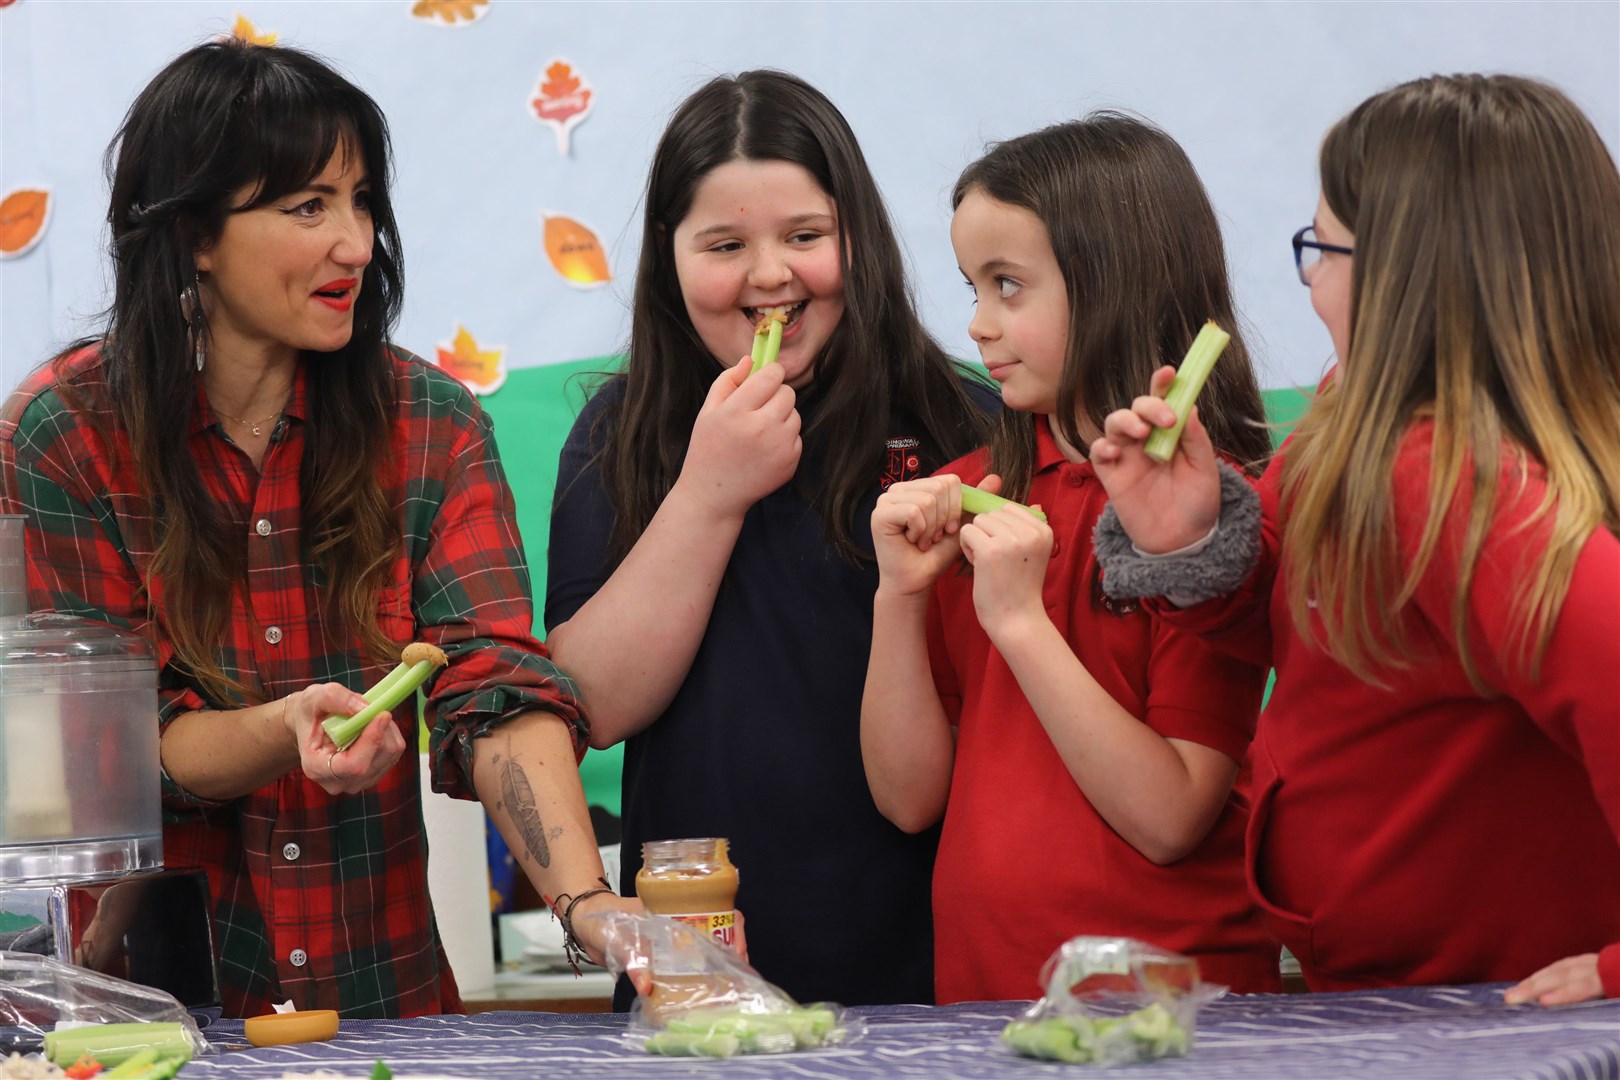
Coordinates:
(903, 462)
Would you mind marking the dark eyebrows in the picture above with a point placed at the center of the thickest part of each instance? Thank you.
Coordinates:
(814, 217)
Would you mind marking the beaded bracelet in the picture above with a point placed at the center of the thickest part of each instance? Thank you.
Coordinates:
(573, 951)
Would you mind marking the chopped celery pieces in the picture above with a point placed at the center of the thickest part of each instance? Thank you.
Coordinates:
(726, 1032)
(1149, 1033)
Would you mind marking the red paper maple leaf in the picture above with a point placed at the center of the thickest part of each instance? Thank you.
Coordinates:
(561, 96)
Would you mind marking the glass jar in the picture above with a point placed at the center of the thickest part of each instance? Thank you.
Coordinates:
(691, 881)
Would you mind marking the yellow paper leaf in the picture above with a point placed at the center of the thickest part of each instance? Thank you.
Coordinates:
(450, 12)
(245, 30)
(482, 369)
(575, 252)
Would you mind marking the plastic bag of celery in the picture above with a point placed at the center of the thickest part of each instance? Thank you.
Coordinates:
(1112, 1001)
(706, 1001)
(38, 993)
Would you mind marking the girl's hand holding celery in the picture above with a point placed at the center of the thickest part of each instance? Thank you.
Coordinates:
(914, 527)
(1009, 549)
(340, 772)
(1164, 506)
(745, 443)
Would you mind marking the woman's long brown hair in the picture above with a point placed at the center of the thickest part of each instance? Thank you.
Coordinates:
(223, 117)
(1140, 250)
(1485, 212)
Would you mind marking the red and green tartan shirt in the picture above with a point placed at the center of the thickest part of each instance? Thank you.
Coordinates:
(318, 898)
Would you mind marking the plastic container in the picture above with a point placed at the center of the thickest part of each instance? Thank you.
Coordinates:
(79, 774)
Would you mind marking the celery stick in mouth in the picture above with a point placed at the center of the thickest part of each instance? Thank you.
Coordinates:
(417, 662)
(768, 336)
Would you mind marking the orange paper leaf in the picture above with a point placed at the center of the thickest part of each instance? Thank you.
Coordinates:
(483, 370)
(246, 31)
(562, 99)
(23, 214)
(575, 252)
(450, 12)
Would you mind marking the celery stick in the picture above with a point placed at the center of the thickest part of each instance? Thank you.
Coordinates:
(133, 1065)
(112, 1044)
(681, 1044)
(975, 501)
(387, 682)
(1195, 368)
(344, 730)
(768, 340)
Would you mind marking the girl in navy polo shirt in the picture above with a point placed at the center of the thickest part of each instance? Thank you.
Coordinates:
(1081, 755)
(1432, 560)
(711, 570)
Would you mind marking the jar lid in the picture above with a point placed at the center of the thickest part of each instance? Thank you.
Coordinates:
(66, 639)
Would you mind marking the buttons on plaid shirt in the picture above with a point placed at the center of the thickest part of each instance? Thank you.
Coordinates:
(273, 635)
(262, 526)
(298, 958)
(291, 851)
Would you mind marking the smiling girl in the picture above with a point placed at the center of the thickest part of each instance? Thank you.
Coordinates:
(711, 571)
(1081, 755)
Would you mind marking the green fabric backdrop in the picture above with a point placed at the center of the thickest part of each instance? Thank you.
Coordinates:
(533, 411)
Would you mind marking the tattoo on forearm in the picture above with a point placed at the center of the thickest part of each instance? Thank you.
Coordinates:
(519, 799)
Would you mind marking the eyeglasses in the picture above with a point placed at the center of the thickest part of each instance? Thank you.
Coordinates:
(1308, 252)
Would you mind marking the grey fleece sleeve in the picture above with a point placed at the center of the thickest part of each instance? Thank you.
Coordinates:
(1219, 568)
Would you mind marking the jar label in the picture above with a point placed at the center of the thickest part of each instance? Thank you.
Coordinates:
(719, 925)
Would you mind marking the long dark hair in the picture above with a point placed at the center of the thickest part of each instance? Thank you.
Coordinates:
(878, 357)
(224, 117)
(1143, 263)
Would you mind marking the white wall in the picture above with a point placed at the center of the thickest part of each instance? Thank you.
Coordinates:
(1248, 88)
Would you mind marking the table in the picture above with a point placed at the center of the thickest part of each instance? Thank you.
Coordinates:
(1426, 1033)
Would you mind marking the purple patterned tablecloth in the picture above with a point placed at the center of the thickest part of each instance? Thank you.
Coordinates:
(1441, 1033)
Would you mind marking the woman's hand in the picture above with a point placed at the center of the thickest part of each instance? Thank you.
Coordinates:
(745, 443)
(340, 772)
(1009, 550)
(914, 532)
(1572, 979)
(1162, 506)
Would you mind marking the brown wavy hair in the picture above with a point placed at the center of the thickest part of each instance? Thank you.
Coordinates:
(1144, 267)
(223, 117)
(1486, 296)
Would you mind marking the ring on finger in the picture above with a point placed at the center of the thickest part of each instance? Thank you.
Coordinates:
(329, 770)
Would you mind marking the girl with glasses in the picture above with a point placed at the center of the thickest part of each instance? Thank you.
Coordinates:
(1431, 563)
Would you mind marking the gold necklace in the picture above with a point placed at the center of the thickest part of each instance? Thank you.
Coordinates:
(253, 425)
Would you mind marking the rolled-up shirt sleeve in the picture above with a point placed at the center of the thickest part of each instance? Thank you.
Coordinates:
(472, 598)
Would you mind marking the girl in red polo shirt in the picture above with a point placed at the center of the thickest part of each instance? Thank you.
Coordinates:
(1431, 562)
(1082, 755)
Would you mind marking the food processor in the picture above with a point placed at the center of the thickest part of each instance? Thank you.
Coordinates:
(81, 838)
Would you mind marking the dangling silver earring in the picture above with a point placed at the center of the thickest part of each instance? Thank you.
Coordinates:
(191, 313)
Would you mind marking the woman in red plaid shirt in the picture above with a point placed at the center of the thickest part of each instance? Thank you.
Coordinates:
(243, 470)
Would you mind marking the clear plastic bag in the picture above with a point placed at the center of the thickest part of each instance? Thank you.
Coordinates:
(37, 994)
(1112, 1001)
(705, 1001)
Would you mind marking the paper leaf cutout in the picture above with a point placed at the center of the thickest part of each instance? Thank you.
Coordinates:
(454, 13)
(246, 31)
(23, 216)
(575, 252)
(482, 369)
(562, 99)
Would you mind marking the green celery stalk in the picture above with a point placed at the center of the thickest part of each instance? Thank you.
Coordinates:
(345, 729)
(975, 501)
(1195, 368)
(112, 1044)
(768, 340)
(387, 682)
